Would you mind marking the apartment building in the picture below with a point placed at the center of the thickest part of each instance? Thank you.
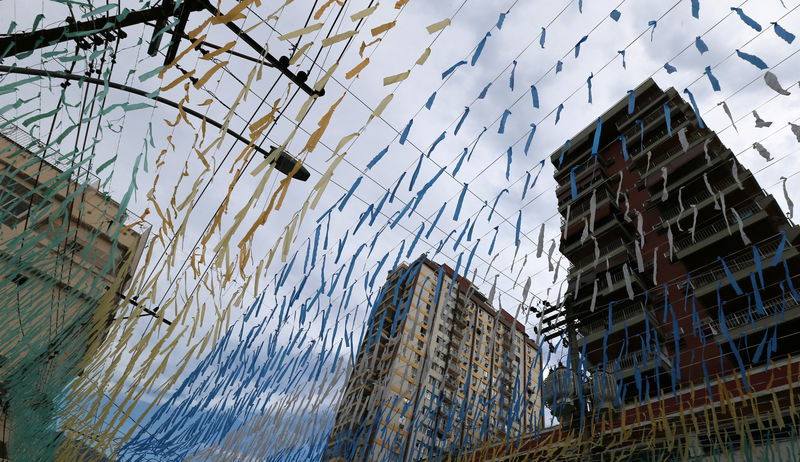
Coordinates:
(438, 370)
(66, 251)
(682, 287)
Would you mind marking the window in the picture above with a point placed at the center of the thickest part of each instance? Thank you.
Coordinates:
(14, 200)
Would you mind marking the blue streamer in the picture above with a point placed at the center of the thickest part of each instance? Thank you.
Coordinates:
(436, 143)
(578, 45)
(534, 96)
(527, 181)
(615, 15)
(485, 89)
(589, 85)
(653, 30)
(559, 66)
(572, 182)
(747, 19)
(416, 173)
(377, 157)
(712, 79)
(542, 37)
(416, 239)
(495, 203)
(394, 190)
(622, 52)
(404, 135)
(508, 165)
(696, 8)
(491, 247)
(460, 202)
(503, 119)
(694, 107)
(779, 250)
(735, 286)
(631, 101)
(668, 119)
(476, 144)
(558, 112)
(478, 50)
(596, 142)
(624, 147)
(350, 193)
(430, 101)
(461, 236)
(511, 77)
(460, 161)
(752, 59)
(461, 120)
(759, 267)
(452, 69)
(530, 138)
(700, 44)
(670, 68)
(757, 296)
(519, 225)
(435, 220)
(783, 33)
(567, 144)
(500, 20)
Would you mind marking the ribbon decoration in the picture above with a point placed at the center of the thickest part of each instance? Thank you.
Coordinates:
(589, 86)
(452, 69)
(670, 68)
(479, 49)
(559, 66)
(747, 19)
(752, 59)
(745, 239)
(700, 44)
(728, 112)
(461, 120)
(696, 8)
(795, 131)
(631, 101)
(578, 45)
(511, 77)
(762, 151)
(404, 135)
(530, 138)
(558, 112)
(652, 23)
(783, 33)
(760, 123)
(789, 202)
(772, 82)
(485, 89)
(542, 37)
(503, 119)
(615, 15)
(429, 103)
(694, 107)
(712, 79)
(534, 96)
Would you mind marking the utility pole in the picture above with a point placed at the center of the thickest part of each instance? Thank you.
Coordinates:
(102, 29)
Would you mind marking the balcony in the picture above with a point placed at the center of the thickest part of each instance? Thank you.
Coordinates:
(584, 192)
(598, 174)
(677, 154)
(701, 199)
(627, 315)
(614, 226)
(576, 214)
(644, 105)
(617, 283)
(610, 251)
(657, 137)
(653, 116)
(719, 229)
(739, 266)
(740, 321)
(644, 360)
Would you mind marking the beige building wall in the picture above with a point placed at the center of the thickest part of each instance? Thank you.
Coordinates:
(64, 245)
(405, 393)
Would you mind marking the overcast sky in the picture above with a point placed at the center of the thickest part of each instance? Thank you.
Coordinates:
(647, 49)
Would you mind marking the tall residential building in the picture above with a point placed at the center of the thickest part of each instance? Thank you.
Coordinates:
(682, 293)
(438, 370)
(66, 251)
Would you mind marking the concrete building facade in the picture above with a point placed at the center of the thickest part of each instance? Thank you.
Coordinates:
(438, 370)
(67, 251)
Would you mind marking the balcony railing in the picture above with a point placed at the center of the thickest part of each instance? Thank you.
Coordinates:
(604, 251)
(719, 225)
(627, 361)
(576, 213)
(738, 263)
(697, 198)
(743, 317)
(620, 314)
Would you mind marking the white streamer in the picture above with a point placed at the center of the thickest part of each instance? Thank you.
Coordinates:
(745, 239)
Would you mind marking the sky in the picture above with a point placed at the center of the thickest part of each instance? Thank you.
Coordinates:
(161, 159)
